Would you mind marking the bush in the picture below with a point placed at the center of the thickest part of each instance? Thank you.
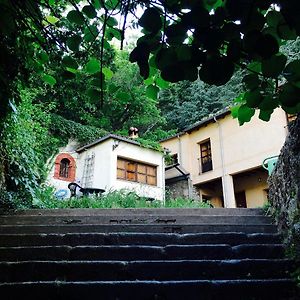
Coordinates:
(112, 199)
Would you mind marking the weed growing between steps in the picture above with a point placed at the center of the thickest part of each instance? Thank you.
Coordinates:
(114, 199)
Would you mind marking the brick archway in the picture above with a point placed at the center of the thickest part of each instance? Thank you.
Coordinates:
(71, 168)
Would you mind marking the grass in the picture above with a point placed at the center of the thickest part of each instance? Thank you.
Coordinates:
(114, 199)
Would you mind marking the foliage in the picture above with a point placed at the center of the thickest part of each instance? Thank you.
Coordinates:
(185, 103)
(208, 39)
(25, 147)
(220, 37)
(65, 129)
(113, 199)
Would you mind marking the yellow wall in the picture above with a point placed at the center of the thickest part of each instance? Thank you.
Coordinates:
(244, 148)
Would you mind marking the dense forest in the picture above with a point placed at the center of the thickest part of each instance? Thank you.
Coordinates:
(68, 73)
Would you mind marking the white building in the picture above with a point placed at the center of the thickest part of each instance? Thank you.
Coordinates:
(111, 163)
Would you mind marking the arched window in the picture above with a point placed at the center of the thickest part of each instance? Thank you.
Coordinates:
(65, 167)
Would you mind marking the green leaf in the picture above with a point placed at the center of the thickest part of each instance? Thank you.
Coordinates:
(251, 81)
(149, 80)
(111, 21)
(234, 111)
(289, 96)
(91, 33)
(43, 57)
(245, 114)
(216, 70)
(213, 4)
(74, 71)
(265, 115)
(69, 62)
(73, 42)
(108, 73)
(75, 17)
(97, 4)
(161, 83)
(89, 11)
(254, 66)
(123, 96)
(152, 92)
(292, 71)
(94, 95)
(93, 66)
(286, 32)
(239, 98)
(52, 20)
(273, 18)
(112, 88)
(49, 79)
(269, 103)
(112, 4)
(253, 98)
(151, 20)
(273, 66)
(111, 33)
(68, 75)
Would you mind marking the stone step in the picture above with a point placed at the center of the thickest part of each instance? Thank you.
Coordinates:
(137, 211)
(154, 239)
(155, 228)
(274, 289)
(31, 271)
(133, 253)
(137, 219)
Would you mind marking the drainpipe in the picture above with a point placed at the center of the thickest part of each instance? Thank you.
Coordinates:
(180, 150)
(225, 193)
(163, 173)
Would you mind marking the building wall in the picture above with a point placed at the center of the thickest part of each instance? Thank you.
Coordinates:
(104, 171)
(57, 183)
(235, 148)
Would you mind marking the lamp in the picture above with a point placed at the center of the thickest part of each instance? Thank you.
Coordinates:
(115, 144)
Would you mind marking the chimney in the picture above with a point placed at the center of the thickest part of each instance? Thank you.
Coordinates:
(133, 133)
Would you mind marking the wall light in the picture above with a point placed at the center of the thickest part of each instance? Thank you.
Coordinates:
(115, 144)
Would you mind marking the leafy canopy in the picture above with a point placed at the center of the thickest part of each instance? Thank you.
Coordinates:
(182, 40)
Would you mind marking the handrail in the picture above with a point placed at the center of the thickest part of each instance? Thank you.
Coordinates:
(269, 163)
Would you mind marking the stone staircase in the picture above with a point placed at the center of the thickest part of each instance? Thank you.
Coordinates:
(125, 254)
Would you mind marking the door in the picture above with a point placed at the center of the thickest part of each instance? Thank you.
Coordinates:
(240, 199)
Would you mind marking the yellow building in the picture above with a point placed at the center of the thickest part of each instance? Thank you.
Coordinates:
(222, 161)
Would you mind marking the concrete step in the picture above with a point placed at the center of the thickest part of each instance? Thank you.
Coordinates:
(150, 290)
(137, 211)
(31, 271)
(154, 239)
(136, 219)
(154, 228)
(170, 252)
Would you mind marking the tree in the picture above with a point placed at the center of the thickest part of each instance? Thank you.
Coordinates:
(183, 40)
(185, 103)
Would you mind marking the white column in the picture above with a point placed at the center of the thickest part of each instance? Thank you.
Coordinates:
(228, 191)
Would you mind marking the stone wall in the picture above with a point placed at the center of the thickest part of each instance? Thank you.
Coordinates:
(183, 188)
(284, 192)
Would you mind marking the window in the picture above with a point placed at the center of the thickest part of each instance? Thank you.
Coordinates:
(136, 172)
(205, 156)
(64, 168)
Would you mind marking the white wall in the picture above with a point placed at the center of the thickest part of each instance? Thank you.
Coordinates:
(105, 171)
(56, 183)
